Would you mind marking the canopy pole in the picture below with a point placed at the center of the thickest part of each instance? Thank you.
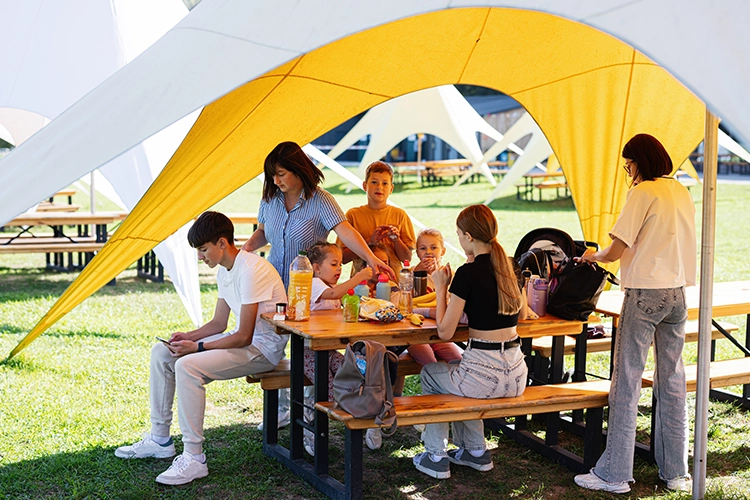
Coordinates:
(708, 229)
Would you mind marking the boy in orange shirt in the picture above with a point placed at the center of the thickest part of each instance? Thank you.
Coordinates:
(379, 222)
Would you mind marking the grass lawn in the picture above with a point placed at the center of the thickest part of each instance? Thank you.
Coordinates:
(81, 389)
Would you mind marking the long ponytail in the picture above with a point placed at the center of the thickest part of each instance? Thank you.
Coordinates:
(480, 222)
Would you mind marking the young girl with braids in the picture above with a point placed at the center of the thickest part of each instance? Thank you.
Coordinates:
(488, 289)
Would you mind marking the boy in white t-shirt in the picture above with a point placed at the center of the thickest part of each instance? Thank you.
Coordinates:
(248, 286)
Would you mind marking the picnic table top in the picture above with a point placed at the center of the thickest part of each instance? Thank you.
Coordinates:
(66, 219)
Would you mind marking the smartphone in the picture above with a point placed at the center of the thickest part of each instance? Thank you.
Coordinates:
(163, 340)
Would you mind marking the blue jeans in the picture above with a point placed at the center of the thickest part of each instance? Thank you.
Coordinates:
(480, 374)
(658, 316)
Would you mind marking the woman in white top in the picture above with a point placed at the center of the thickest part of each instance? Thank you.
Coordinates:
(654, 238)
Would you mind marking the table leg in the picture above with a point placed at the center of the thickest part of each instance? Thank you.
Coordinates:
(297, 389)
(353, 468)
(746, 387)
(270, 418)
(557, 360)
(321, 419)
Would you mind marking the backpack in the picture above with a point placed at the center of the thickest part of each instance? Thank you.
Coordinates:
(537, 261)
(368, 395)
(574, 289)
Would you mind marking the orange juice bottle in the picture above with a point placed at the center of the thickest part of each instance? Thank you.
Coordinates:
(300, 288)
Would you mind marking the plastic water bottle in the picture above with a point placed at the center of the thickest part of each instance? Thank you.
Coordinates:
(383, 289)
(350, 302)
(362, 289)
(300, 288)
(361, 363)
(539, 296)
(405, 286)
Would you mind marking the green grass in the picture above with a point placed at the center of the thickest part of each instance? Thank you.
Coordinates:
(81, 389)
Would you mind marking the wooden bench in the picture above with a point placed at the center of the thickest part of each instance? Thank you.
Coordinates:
(55, 251)
(56, 206)
(429, 409)
(722, 374)
(542, 346)
(279, 378)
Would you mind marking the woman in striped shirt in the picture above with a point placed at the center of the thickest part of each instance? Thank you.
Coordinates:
(295, 212)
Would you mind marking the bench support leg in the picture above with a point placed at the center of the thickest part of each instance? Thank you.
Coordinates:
(321, 419)
(592, 443)
(353, 468)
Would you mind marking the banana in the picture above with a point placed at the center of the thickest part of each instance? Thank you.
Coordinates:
(416, 319)
(426, 304)
(430, 297)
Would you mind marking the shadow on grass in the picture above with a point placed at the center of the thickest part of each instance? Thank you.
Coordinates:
(29, 284)
(239, 469)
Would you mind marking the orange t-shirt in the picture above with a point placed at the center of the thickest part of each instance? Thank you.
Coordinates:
(365, 219)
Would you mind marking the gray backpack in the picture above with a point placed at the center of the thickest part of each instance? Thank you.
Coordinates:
(368, 395)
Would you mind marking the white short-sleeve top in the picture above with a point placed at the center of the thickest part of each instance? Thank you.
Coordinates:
(657, 224)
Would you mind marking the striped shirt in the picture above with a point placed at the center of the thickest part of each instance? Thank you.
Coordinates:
(304, 225)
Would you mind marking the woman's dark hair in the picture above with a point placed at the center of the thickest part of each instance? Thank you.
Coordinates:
(289, 156)
(319, 251)
(650, 157)
(209, 227)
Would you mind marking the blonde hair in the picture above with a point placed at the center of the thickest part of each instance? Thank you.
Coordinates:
(430, 231)
(480, 222)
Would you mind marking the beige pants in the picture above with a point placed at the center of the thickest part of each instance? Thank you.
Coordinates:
(188, 375)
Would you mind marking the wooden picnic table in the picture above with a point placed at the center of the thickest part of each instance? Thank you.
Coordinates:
(26, 241)
(326, 331)
(541, 181)
(729, 299)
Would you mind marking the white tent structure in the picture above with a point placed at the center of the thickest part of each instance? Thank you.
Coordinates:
(537, 150)
(439, 111)
(288, 45)
(55, 53)
(731, 145)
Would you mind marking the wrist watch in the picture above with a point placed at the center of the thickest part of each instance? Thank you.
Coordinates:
(200, 347)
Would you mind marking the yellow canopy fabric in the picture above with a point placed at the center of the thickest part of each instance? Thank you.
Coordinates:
(588, 91)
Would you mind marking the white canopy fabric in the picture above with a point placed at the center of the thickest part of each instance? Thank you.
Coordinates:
(731, 145)
(439, 111)
(537, 149)
(55, 53)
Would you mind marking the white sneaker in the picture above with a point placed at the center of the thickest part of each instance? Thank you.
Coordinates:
(680, 484)
(283, 417)
(593, 482)
(183, 470)
(146, 448)
(373, 439)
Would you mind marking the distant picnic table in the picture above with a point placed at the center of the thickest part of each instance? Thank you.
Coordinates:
(542, 181)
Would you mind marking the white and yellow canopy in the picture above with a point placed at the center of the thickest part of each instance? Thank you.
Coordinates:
(269, 72)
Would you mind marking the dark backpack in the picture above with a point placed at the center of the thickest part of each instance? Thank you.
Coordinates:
(574, 289)
(537, 261)
(369, 395)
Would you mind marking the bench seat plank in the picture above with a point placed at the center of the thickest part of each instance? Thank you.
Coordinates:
(447, 407)
(64, 246)
(543, 346)
(723, 373)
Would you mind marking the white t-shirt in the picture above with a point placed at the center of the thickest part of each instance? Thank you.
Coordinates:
(657, 224)
(318, 287)
(253, 280)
